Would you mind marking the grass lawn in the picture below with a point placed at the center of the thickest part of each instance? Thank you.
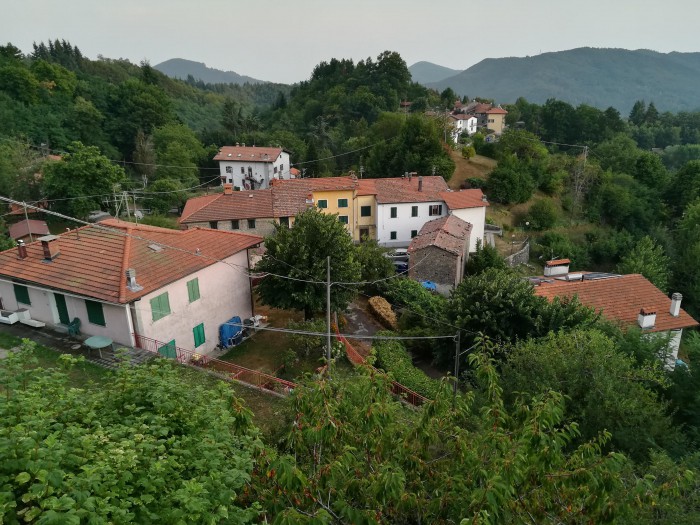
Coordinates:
(465, 169)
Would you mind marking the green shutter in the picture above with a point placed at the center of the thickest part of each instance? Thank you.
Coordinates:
(198, 332)
(323, 203)
(22, 294)
(160, 306)
(342, 203)
(193, 289)
(168, 350)
(95, 313)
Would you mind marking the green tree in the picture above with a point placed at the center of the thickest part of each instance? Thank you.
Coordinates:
(81, 180)
(605, 390)
(374, 266)
(686, 278)
(178, 152)
(485, 257)
(510, 183)
(299, 254)
(542, 215)
(139, 448)
(649, 259)
(165, 194)
(638, 113)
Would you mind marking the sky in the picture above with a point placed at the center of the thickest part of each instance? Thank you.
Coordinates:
(282, 40)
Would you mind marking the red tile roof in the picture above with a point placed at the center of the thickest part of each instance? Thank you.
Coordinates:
(248, 154)
(402, 189)
(25, 227)
(558, 262)
(251, 204)
(93, 259)
(448, 233)
(457, 200)
(366, 187)
(620, 298)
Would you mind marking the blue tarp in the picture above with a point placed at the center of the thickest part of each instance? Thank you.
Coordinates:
(429, 285)
(231, 333)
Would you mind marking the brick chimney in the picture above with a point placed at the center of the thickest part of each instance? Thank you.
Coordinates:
(676, 299)
(21, 250)
(420, 183)
(49, 243)
(646, 318)
(228, 189)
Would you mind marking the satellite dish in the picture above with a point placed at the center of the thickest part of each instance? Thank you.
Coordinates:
(138, 214)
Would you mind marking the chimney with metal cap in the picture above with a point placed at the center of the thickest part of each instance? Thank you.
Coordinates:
(21, 250)
(131, 283)
(676, 299)
(49, 243)
(420, 183)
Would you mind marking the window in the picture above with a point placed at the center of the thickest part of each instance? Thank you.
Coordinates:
(392, 236)
(213, 225)
(365, 211)
(22, 294)
(284, 221)
(236, 188)
(343, 219)
(242, 170)
(198, 332)
(342, 203)
(95, 313)
(281, 168)
(435, 209)
(168, 350)
(323, 203)
(251, 224)
(274, 170)
(229, 169)
(250, 171)
(414, 233)
(160, 306)
(414, 211)
(235, 224)
(394, 212)
(193, 289)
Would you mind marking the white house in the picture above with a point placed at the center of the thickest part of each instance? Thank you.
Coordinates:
(252, 167)
(405, 204)
(126, 281)
(630, 300)
(470, 206)
(462, 123)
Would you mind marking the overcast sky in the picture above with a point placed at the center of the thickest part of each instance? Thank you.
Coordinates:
(282, 40)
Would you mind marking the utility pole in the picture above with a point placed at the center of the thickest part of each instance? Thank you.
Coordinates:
(457, 343)
(26, 218)
(328, 316)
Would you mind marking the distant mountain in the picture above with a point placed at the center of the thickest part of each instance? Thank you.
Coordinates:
(180, 68)
(598, 77)
(426, 72)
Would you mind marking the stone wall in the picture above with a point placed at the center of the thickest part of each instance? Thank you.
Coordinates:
(263, 227)
(434, 264)
(522, 256)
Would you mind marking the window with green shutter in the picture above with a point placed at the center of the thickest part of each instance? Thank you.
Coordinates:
(193, 289)
(198, 332)
(323, 203)
(342, 203)
(22, 294)
(365, 211)
(160, 306)
(95, 313)
(168, 350)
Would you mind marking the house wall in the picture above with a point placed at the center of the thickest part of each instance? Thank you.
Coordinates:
(264, 171)
(403, 224)
(498, 124)
(263, 227)
(437, 265)
(43, 308)
(332, 199)
(477, 218)
(370, 223)
(224, 293)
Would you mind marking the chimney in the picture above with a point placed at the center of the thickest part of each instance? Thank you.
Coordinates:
(228, 189)
(556, 267)
(49, 243)
(238, 144)
(646, 318)
(410, 175)
(676, 299)
(420, 183)
(131, 283)
(22, 250)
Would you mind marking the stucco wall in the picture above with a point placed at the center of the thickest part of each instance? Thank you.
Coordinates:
(331, 198)
(263, 227)
(370, 223)
(403, 224)
(261, 170)
(224, 293)
(477, 218)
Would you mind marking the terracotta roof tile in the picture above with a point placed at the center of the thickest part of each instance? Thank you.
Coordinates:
(620, 298)
(449, 233)
(250, 204)
(25, 227)
(367, 187)
(248, 154)
(93, 259)
(558, 262)
(457, 200)
(402, 189)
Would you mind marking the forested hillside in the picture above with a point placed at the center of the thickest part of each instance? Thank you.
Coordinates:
(182, 69)
(597, 77)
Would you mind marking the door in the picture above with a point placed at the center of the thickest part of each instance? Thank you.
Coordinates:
(62, 308)
(364, 234)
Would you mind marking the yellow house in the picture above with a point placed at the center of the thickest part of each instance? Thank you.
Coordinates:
(365, 211)
(336, 195)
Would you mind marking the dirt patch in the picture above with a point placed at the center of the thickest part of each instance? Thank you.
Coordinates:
(465, 169)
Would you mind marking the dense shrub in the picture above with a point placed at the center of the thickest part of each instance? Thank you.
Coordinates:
(542, 215)
(393, 358)
(510, 185)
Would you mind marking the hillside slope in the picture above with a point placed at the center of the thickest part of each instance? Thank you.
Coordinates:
(426, 72)
(180, 68)
(598, 77)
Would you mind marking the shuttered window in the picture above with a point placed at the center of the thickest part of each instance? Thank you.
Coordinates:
(22, 294)
(168, 350)
(198, 332)
(193, 289)
(95, 313)
(160, 306)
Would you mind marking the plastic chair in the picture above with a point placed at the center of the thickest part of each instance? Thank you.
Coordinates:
(74, 327)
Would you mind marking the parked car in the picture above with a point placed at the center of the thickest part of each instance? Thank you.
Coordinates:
(401, 266)
(398, 254)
